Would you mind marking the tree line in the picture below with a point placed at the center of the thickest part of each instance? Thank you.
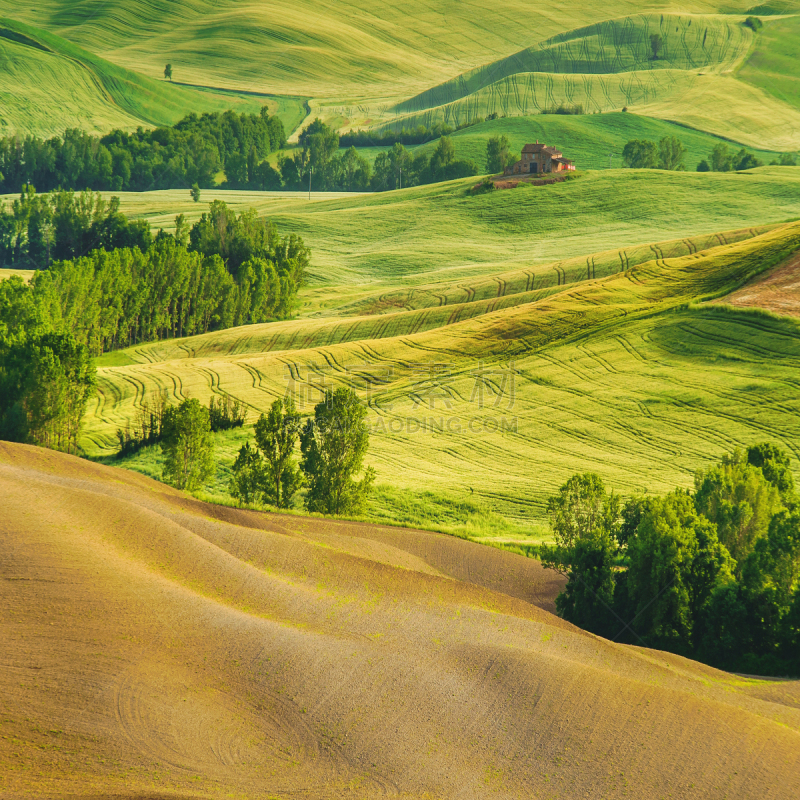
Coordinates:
(712, 574)
(226, 270)
(318, 163)
(669, 153)
(193, 151)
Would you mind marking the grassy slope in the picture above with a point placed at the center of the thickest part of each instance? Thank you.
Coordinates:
(588, 139)
(368, 244)
(773, 64)
(349, 51)
(607, 67)
(614, 375)
(219, 653)
(43, 72)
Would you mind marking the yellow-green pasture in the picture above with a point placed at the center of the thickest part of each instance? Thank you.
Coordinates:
(366, 246)
(622, 375)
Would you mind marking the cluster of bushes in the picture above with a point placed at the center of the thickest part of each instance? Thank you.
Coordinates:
(576, 109)
(227, 270)
(723, 159)
(320, 161)
(668, 153)
(712, 574)
(154, 418)
(193, 151)
(333, 443)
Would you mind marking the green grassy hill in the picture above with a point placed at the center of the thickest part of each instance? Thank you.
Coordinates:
(620, 375)
(49, 84)
(773, 65)
(611, 47)
(367, 245)
(608, 66)
(346, 51)
(587, 139)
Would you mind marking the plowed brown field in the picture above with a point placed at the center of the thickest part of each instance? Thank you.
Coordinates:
(778, 290)
(153, 646)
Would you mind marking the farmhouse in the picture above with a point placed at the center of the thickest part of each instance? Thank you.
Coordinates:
(538, 158)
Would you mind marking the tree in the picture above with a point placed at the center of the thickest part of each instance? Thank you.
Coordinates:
(703, 166)
(579, 509)
(195, 193)
(588, 597)
(640, 154)
(45, 383)
(187, 445)
(754, 23)
(671, 153)
(744, 160)
(498, 155)
(775, 465)
(276, 437)
(168, 71)
(721, 158)
(656, 43)
(676, 561)
(333, 445)
(739, 500)
(248, 478)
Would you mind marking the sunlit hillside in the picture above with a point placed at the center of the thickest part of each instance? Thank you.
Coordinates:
(620, 374)
(48, 84)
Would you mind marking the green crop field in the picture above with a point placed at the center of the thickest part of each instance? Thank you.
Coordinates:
(773, 65)
(617, 374)
(42, 72)
(366, 245)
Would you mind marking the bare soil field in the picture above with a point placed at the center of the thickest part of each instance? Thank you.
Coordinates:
(777, 291)
(155, 646)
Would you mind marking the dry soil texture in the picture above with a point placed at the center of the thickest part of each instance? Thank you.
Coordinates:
(152, 645)
(777, 291)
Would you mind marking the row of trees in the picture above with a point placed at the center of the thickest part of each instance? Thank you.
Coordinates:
(319, 163)
(226, 270)
(193, 151)
(37, 229)
(668, 153)
(333, 443)
(723, 159)
(712, 574)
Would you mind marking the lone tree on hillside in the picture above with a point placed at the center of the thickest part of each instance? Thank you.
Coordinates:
(656, 43)
(187, 446)
(333, 443)
(195, 192)
(168, 71)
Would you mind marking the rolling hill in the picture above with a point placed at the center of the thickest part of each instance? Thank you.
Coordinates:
(366, 245)
(610, 65)
(500, 401)
(349, 51)
(156, 646)
(49, 84)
